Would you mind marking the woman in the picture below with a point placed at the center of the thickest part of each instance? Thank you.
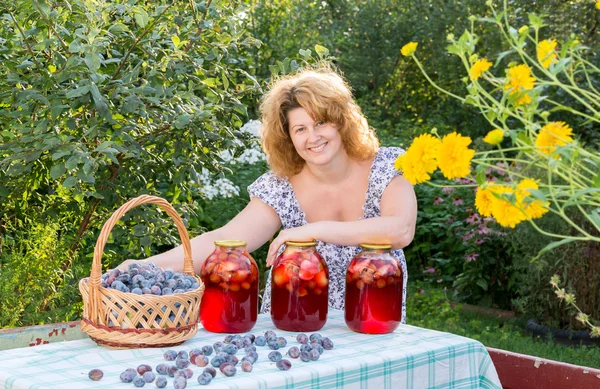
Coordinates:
(329, 181)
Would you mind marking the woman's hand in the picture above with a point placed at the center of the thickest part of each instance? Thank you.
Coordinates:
(305, 233)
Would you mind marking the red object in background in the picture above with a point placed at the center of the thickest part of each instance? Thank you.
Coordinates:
(520, 371)
(299, 288)
(230, 301)
(373, 291)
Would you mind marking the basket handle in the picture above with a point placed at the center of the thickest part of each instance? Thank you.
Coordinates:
(188, 265)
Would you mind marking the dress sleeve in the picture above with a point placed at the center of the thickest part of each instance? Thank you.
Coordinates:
(382, 173)
(272, 190)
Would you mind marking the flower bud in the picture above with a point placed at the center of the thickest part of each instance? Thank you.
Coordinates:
(473, 58)
(545, 115)
(523, 30)
(472, 18)
(450, 37)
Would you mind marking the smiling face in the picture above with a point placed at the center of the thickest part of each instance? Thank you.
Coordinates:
(317, 142)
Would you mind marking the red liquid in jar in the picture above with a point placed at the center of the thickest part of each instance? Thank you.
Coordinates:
(373, 293)
(299, 289)
(230, 300)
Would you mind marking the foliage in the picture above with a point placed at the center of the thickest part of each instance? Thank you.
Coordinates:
(568, 171)
(101, 102)
(430, 308)
(576, 264)
(459, 248)
(32, 280)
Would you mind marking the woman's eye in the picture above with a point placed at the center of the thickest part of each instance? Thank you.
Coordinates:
(299, 129)
(320, 123)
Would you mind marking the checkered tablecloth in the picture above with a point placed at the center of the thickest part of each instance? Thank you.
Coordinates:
(410, 357)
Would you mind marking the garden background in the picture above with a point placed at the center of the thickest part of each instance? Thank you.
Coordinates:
(102, 101)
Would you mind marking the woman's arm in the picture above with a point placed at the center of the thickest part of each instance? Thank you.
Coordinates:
(255, 224)
(395, 226)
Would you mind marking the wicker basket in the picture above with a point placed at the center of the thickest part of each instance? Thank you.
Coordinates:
(139, 320)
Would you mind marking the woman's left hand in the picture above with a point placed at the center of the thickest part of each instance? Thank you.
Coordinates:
(305, 233)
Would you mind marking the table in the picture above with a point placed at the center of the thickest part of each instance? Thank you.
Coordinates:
(410, 357)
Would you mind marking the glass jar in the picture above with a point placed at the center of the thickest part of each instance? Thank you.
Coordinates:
(299, 288)
(374, 291)
(230, 301)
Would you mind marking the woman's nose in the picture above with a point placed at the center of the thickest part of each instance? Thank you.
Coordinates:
(313, 135)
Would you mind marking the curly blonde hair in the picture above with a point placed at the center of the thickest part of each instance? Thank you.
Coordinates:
(326, 96)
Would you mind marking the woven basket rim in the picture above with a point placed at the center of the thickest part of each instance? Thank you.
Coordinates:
(87, 281)
(95, 295)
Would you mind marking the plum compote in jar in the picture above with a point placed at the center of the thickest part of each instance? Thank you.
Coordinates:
(230, 301)
(374, 282)
(299, 288)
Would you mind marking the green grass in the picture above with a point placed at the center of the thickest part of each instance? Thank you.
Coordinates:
(432, 310)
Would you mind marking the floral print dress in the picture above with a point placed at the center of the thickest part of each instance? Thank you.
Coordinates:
(278, 193)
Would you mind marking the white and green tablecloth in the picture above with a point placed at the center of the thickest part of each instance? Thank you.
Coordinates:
(410, 357)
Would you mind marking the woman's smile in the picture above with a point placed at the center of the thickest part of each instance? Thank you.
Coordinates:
(319, 148)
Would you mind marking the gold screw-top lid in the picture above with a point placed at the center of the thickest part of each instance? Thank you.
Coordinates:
(376, 246)
(301, 244)
(230, 243)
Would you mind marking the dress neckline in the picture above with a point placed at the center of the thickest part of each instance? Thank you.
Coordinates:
(364, 207)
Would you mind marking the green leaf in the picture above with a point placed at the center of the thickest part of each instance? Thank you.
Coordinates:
(182, 121)
(535, 21)
(141, 17)
(69, 182)
(596, 180)
(60, 154)
(595, 218)
(75, 46)
(322, 51)
(102, 146)
(3, 191)
(577, 195)
(100, 102)
(502, 55)
(560, 65)
(482, 282)
(552, 246)
(225, 80)
(78, 92)
(176, 41)
(305, 53)
(72, 162)
(87, 167)
(94, 194)
(480, 177)
(92, 60)
(34, 156)
(57, 171)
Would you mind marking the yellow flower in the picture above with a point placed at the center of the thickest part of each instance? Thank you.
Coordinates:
(482, 65)
(505, 212)
(484, 199)
(546, 52)
(518, 80)
(454, 158)
(598, 4)
(534, 208)
(551, 136)
(409, 48)
(419, 161)
(494, 137)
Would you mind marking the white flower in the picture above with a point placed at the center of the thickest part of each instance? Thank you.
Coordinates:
(253, 127)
